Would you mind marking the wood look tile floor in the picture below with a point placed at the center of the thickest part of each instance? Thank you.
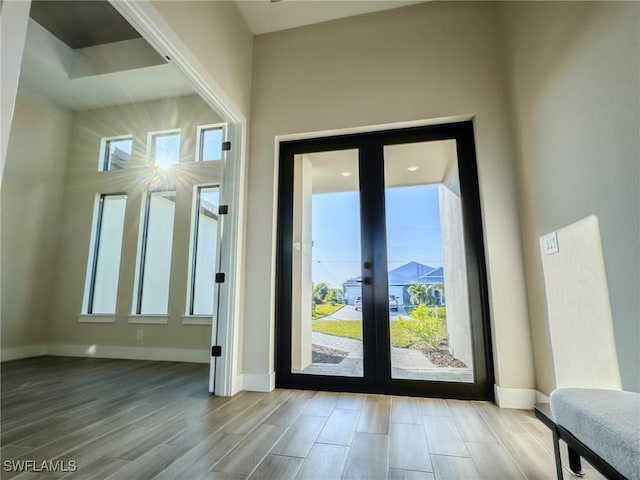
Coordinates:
(121, 419)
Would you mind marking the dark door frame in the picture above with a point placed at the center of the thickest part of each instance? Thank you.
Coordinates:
(376, 346)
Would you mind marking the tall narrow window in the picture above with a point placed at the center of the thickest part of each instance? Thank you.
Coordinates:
(116, 153)
(155, 254)
(105, 265)
(210, 139)
(164, 148)
(203, 259)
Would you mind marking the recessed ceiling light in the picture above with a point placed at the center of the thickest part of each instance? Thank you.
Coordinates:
(346, 174)
(413, 168)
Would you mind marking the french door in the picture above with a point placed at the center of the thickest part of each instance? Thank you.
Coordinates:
(381, 283)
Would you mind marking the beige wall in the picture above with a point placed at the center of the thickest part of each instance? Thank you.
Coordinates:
(421, 62)
(84, 183)
(217, 35)
(32, 195)
(575, 73)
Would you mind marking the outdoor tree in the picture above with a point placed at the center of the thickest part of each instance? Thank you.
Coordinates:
(333, 296)
(419, 293)
(319, 292)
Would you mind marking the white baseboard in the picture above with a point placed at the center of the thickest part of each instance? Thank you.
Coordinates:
(259, 382)
(522, 398)
(541, 397)
(22, 352)
(132, 353)
(109, 351)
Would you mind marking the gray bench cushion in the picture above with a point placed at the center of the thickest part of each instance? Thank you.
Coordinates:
(606, 421)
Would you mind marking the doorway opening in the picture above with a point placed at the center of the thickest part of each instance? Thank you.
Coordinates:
(381, 276)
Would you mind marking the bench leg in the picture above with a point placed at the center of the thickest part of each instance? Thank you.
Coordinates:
(556, 453)
(574, 463)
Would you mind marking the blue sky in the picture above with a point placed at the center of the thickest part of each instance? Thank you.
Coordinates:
(413, 232)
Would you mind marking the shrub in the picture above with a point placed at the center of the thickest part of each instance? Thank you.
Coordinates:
(426, 327)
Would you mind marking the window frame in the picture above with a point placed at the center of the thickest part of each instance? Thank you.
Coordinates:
(104, 161)
(200, 139)
(95, 246)
(142, 251)
(150, 160)
(193, 250)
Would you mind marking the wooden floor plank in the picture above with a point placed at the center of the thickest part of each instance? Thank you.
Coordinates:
(251, 450)
(340, 427)
(454, 468)
(324, 462)
(397, 474)
(494, 462)
(299, 439)
(408, 448)
(276, 467)
(368, 457)
(374, 417)
(150, 464)
(443, 437)
(197, 461)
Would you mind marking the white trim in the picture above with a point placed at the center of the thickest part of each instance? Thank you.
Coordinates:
(96, 318)
(197, 320)
(373, 128)
(521, 398)
(28, 351)
(103, 148)
(211, 126)
(151, 162)
(541, 397)
(131, 353)
(151, 25)
(149, 319)
(259, 382)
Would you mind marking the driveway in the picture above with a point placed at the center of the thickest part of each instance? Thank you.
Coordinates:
(348, 312)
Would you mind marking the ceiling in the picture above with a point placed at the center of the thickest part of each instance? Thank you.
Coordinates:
(121, 68)
(81, 24)
(423, 163)
(263, 16)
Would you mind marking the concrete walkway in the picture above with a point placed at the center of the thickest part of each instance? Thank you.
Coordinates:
(406, 363)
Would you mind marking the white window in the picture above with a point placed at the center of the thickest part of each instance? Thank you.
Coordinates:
(154, 254)
(163, 149)
(204, 249)
(104, 262)
(210, 141)
(115, 153)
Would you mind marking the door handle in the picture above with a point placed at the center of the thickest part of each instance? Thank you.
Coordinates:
(365, 280)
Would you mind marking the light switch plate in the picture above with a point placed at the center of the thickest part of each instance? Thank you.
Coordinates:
(550, 243)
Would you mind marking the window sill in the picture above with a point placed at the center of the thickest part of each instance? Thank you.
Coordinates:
(96, 318)
(149, 319)
(197, 320)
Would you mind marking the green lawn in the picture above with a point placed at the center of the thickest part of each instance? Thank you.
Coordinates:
(326, 309)
(353, 329)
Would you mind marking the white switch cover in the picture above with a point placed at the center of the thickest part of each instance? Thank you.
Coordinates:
(550, 243)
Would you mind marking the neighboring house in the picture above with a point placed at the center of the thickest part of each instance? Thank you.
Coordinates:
(400, 279)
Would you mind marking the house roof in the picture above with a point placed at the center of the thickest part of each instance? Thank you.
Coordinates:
(408, 274)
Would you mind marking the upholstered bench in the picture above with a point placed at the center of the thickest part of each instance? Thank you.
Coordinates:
(602, 426)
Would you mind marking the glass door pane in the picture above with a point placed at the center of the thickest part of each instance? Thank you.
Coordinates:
(429, 320)
(326, 327)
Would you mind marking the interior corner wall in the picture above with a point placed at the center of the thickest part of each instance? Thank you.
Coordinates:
(575, 78)
(83, 183)
(32, 197)
(217, 35)
(13, 31)
(432, 60)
